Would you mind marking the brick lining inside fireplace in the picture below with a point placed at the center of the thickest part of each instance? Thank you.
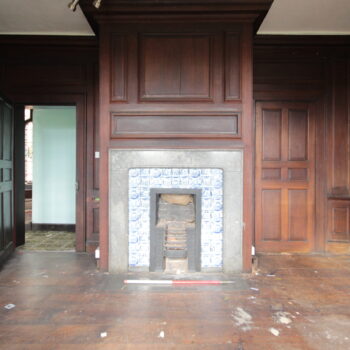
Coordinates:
(175, 222)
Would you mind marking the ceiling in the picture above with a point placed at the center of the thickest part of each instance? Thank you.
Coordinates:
(41, 17)
(53, 17)
(307, 17)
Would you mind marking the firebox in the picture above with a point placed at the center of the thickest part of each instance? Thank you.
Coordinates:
(175, 229)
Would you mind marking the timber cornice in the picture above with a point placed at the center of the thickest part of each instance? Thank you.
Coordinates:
(175, 10)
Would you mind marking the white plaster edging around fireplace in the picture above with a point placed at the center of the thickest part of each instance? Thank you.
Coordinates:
(121, 160)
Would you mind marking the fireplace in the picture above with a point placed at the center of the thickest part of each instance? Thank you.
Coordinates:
(138, 178)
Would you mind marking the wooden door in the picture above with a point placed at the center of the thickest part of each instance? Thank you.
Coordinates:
(6, 180)
(285, 177)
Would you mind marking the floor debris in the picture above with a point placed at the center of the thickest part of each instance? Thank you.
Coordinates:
(274, 331)
(161, 334)
(282, 317)
(9, 306)
(103, 334)
(242, 319)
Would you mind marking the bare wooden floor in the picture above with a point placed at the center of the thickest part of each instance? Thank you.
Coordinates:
(62, 302)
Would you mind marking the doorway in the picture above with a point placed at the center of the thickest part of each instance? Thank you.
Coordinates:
(50, 177)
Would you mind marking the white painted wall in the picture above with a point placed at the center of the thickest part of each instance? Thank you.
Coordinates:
(54, 165)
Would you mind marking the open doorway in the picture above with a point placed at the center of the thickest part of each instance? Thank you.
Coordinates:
(50, 177)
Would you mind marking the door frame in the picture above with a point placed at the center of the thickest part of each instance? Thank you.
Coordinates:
(51, 99)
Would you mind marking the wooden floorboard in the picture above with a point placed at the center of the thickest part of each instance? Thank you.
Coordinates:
(63, 302)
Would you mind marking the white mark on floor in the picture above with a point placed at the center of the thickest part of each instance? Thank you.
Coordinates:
(274, 331)
(9, 306)
(161, 334)
(242, 319)
(103, 334)
(282, 317)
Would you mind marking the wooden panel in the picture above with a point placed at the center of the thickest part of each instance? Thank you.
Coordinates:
(32, 75)
(297, 174)
(298, 131)
(96, 219)
(271, 174)
(339, 131)
(271, 215)
(175, 67)
(118, 68)
(298, 215)
(148, 126)
(271, 135)
(6, 184)
(339, 220)
(232, 67)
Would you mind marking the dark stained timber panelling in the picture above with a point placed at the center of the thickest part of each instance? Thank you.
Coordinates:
(176, 67)
(177, 126)
(32, 75)
(232, 67)
(119, 68)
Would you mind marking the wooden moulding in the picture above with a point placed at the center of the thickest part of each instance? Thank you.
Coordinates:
(126, 125)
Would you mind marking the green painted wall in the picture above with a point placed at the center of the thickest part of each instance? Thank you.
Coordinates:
(54, 165)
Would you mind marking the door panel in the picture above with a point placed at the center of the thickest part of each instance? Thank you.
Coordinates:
(285, 172)
(6, 180)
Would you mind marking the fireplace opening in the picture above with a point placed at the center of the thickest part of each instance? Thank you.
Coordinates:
(175, 230)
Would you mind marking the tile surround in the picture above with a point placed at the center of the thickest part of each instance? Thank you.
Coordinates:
(210, 181)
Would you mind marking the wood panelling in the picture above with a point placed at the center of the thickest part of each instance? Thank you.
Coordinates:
(285, 183)
(175, 126)
(232, 67)
(119, 70)
(175, 67)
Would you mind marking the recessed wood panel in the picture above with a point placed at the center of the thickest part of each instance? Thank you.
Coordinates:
(271, 215)
(6, 175)
(118, 68)
(175, 67)
(96, 219)
(297, 174)
(175, 126)
(271, 134)
(33, 75)
(7, 134)
(339, 133)
(232, 67)
(339, 221)
(298, 133)
(271, 174)
(7, 217)
(297, 215)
